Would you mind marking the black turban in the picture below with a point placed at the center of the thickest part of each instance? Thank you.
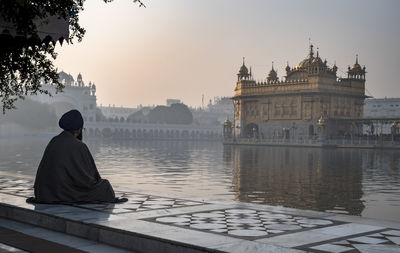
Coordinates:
(71, 120)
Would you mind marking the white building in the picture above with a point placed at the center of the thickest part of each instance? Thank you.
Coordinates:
(76, 95)
(382, 107)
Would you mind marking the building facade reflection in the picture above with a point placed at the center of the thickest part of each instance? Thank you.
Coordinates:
(316, 179)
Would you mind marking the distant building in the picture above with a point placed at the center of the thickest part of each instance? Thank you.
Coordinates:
(310, 98)
(171, 101)
(114, 112)
(382, 107)
(76, 95)
(215, 113)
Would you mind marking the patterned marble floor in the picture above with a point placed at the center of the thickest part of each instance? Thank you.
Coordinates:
(136, 202)
(384, 241)
(247, 223)
(200, 223)
(140, 202)
(16, 186)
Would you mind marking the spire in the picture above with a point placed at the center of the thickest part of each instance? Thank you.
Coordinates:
(317, 52)
(287, 67)
(272, 75)
(356, 58)
(243, 71)
(311, 51)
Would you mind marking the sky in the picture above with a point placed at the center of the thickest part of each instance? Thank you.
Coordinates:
(185, 49)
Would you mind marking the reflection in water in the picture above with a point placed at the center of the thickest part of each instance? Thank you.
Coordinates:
(317, 179)
(358, 182)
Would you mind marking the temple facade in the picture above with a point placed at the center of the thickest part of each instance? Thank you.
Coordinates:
(310, 100)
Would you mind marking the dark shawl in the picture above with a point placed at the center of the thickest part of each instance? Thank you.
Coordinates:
(67, 174)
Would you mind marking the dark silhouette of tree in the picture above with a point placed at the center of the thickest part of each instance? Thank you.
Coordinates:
(26, 60)
(137, 117)
(175, 114)
(100, 116)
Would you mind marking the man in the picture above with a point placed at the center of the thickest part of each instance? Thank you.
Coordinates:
(67, 172)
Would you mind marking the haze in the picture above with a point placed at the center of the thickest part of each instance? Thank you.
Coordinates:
(185, 48)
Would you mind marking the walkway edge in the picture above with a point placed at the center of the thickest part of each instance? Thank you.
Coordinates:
(111, 236)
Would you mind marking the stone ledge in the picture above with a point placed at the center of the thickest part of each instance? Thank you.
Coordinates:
(153, 223)
(94, 232)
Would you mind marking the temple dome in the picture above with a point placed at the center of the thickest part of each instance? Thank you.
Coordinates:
(243, 70)
(317, 61)
(304, 63)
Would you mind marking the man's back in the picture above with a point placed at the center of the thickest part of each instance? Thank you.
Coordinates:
(67, 174)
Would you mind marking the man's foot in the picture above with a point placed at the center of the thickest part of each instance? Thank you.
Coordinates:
(120, 200)
(31, 200)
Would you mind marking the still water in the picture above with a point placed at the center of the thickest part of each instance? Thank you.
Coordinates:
(357, 182)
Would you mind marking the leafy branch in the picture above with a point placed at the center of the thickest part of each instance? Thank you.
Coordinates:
(25, 60)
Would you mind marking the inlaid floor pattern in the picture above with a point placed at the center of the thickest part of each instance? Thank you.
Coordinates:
(248, 223)
(136, 202)
(386, 241)
(16, 186)
(141, 202)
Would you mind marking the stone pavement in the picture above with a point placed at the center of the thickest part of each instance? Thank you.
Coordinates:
(151, 222)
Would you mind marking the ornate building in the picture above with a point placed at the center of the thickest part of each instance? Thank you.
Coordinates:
(76, 95)
(311, 98)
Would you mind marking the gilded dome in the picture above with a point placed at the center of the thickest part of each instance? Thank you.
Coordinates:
(304, 63)
(317, 61)
(356, 67)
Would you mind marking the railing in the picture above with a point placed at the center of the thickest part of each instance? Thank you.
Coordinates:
(367, 142)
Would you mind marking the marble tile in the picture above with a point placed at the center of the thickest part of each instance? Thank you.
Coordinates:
(254, 247)
(395, 240)
(368, 248)
(367, 240)
(247, 233)
(347, 229)
(297, 239)
(332, 248)
(391, 232)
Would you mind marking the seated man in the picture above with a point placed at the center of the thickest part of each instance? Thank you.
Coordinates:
(67, 172)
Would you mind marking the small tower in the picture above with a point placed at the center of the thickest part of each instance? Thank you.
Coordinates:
(79, 80)
(356, 71)
(93, 89)
(272, 75)
(228, 126)
(243, 72)
(287, 68)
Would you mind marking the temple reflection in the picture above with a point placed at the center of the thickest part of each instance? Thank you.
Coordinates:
(306, 178)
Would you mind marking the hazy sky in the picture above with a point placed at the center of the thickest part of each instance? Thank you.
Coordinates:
(185, 48)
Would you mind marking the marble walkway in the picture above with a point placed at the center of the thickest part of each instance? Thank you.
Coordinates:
(152, 222)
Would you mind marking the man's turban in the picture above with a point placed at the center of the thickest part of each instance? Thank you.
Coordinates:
(71, 120)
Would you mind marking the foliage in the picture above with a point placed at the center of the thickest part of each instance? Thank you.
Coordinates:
(99, 115)
(137, 117)
(26, 61)
(31, 114)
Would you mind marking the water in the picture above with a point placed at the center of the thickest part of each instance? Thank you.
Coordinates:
(356, 182)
